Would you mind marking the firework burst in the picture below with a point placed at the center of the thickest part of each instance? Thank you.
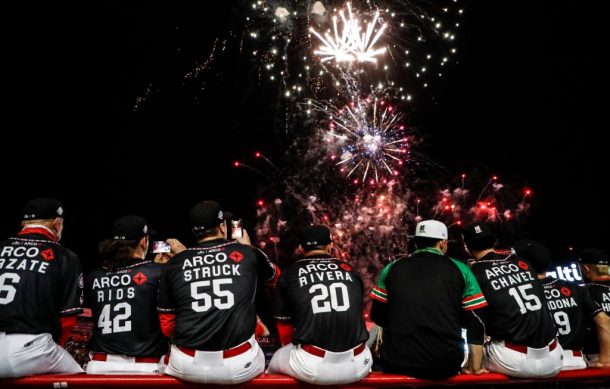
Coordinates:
(313, 48)
(351, 44)
(366, 139)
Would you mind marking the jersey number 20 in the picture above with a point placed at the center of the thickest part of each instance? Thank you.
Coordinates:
(320, 303)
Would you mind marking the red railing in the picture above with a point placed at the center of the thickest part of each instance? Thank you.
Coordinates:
(374, 380)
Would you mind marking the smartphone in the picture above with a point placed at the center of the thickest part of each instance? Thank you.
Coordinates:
(161, 247)
(237, 231)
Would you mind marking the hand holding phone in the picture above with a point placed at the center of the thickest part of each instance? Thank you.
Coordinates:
(237, 231)
(161, 247)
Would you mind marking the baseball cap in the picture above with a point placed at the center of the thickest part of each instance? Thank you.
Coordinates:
(535, 253)
(316, 235)
(43, 208)
(206, 215)
(593, 256)
(431, 229)
(478, 233)
(129, 227)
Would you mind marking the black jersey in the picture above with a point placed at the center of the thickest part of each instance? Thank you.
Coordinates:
(516, 310)
(211, 289)
(124, 308)
(322, 297)
(40, 280)
(425, 296)
(600, 293)
(571, 306)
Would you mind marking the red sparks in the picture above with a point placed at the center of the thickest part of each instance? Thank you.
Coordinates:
(236, 163)
(260, 203)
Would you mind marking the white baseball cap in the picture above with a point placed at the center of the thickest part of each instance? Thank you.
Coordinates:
(431, 229)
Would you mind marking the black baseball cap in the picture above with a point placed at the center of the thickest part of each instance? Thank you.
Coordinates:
(477, 235)
(43, 208)
(316, 235)
(535, 253)
(129, 227)
(206, 215)
(593, 256)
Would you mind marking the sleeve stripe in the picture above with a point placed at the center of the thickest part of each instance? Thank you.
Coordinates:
(472, 298)
(475, 306)
(474, 301)
(70, 310)
(380, 291)
(378, 298)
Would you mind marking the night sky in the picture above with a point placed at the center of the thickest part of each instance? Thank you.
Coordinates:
(526, 102)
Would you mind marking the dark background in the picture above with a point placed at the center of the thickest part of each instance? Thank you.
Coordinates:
(526, 101)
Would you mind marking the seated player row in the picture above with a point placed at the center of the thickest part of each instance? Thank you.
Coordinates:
(203, 300)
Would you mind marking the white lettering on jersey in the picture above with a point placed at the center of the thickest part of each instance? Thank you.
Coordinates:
(511, 279)
(24, 264)
(497, 271)
(114, 280)
(560, 304)
(212, 271)
(208, 259)
(20, 251)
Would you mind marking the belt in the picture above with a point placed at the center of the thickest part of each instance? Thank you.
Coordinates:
(320, 352)
(242, 348)
(523, 349)
(102, 357)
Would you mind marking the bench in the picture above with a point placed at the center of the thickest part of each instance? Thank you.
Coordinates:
(374, 380)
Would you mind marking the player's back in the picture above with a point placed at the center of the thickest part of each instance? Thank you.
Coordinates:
(425, 294)
(323, 297)
(600, 292)
(124, 304)
(571, 306)
(37, 283)
(211, 289)
(516, 312)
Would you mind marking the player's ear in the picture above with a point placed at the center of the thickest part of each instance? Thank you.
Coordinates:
(144, 242)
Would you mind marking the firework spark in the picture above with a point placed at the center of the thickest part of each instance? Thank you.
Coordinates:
(367, 137)
(349, 43)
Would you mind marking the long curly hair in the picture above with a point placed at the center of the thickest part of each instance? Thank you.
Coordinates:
(116, 254)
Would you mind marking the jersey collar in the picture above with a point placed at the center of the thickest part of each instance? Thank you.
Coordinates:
(429, 250)
(36, 229)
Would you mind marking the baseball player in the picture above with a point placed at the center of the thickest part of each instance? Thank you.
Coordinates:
(522, 331)
(420, 302)
(40, 294)
(127, 337)
(570, 304)
(206, 301)
(319, 298)
(595, 265)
